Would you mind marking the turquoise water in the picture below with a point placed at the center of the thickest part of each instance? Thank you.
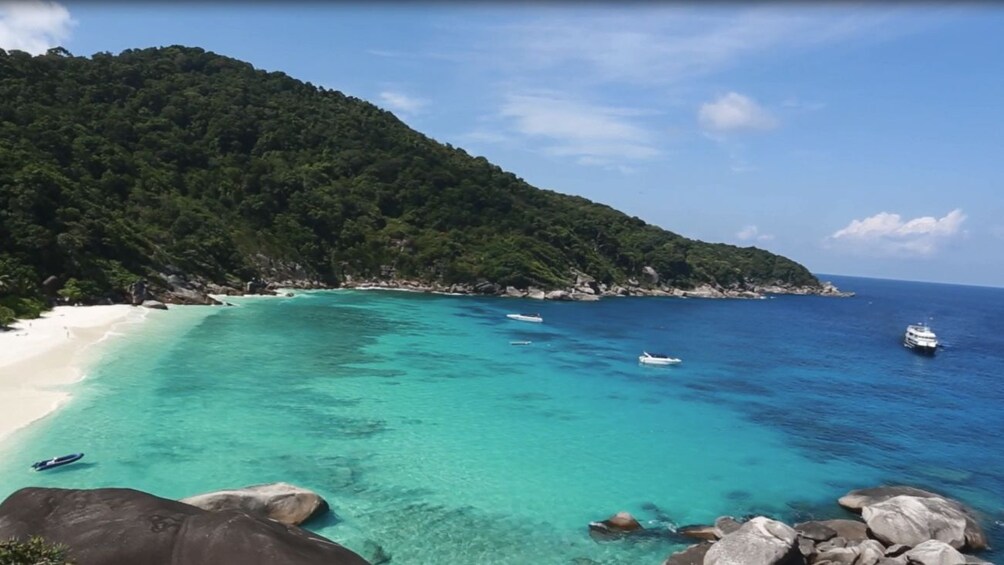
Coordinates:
(432, 436)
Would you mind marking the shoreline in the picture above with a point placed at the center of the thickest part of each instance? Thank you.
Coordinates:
(39, 358)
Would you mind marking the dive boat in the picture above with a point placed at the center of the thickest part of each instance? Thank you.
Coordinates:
(56, 461)
(919, 337)
(525, 317)
(657, 359)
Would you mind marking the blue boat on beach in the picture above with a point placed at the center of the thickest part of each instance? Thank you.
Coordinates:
(56, 461)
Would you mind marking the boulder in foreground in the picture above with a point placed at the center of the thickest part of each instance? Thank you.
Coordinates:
(282, 502)
(112, 526)
(760, 541)
(937, 511)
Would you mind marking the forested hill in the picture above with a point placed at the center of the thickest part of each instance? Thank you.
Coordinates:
(180, 161)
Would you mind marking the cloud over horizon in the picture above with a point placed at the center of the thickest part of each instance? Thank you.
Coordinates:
(33, 27)
(888, 234)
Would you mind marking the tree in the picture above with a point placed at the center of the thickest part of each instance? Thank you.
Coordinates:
(73, 291)
(6, 319)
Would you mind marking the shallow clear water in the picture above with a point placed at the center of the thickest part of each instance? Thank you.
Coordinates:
(433, 436)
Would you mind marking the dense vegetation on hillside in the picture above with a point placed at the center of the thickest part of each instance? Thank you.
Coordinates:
(179, 160)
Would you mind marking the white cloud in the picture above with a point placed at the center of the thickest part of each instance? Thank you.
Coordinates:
(400, 102)
(33, 27)
(887, 234)
(595, 135)
(734, 112)
(751, 232)
(667, 44)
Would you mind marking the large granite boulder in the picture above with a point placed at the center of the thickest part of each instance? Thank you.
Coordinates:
(281, 502)
(535, 293)
(725, 525)
(51, 286)
(651, 275)
(933, 552)
(154, 304)
(760, 541)
(912, 520)
(868, 552)
(857, 500)
(137, 292)
(113, 526)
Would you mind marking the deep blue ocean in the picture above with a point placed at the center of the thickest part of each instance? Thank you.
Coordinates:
(434, 437)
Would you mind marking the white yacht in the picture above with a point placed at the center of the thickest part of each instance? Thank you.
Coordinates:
(657, 359)
(525, 317)
(919, 337)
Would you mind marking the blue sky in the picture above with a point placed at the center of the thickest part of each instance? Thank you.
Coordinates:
(858, 140)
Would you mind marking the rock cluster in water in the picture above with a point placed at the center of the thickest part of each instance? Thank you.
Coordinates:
(110, 526)
(902, 526)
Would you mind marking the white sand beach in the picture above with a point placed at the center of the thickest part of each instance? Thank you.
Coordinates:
(39, 357)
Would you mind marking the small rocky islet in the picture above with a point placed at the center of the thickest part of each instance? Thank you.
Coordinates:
(900, 525)
(259, 524)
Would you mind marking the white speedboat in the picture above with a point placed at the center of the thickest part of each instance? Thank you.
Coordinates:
(525, 317)
(657, 359)
(919, 337)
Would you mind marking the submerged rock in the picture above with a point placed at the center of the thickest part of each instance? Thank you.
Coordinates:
(707, 533)
(281, 502)
(618, 525)
(375, 553)
(111, 526)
